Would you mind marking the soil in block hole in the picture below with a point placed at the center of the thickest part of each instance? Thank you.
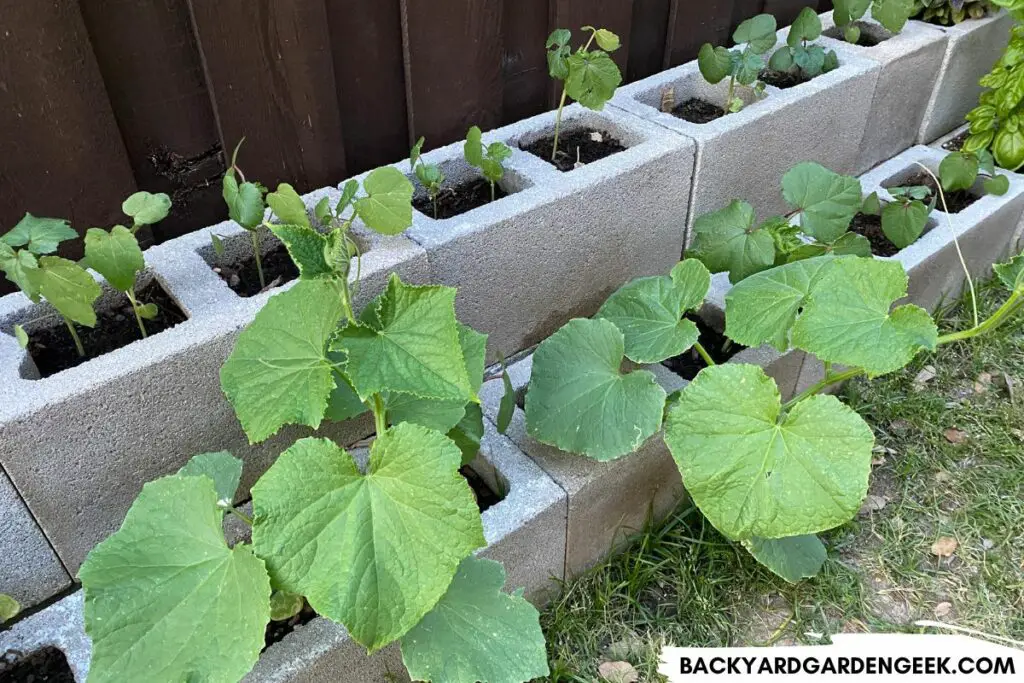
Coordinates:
(689, 363)
(244, 278)
(583, 146)
(696, 110)
(452, 201)
(957, 143)
(48, 665)
(871, 227)
(783, 79)
(53, 349)
(955, 201)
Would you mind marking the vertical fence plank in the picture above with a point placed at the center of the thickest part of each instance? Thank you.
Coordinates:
(614, 15)
(271, 76)
(525, 30)
(154, 78)
(453, 67)
(690, 26)
(785, 11)
(649, 38)
(366, 38)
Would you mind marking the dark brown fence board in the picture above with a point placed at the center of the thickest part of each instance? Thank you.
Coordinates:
(525, 29)
(744, 9)
(693, 24)
(614, 15)
(271, 76)
(649, 38)
(785, 11)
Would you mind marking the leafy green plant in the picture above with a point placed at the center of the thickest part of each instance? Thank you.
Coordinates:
(590, 76)
(740, 66)
(800, 55)
(25, 258)
(246, 206)
(429, 175)
(892, 14)
(116, 254)
(488, 159)
(949, 12)
(767, 473)
(9, 608)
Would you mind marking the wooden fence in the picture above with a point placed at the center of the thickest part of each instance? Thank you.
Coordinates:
(99, 98)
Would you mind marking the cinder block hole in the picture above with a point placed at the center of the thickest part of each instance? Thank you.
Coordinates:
(463, 189)
(915, 176)
(583, 138)
(46, 664)
(51, 347)
(871, 228)
(689, 363)
(870, 34)
(693, 99)
(489, 485)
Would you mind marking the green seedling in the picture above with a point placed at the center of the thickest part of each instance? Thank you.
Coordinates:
(800, 55)
(892, 14)
(429, 175)
(246, 206)
(9, 608)
(742, 66)
(488, 159)
(590, 76)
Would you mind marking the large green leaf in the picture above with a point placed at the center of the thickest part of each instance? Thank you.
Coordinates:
(147, 208)
(756, 472)
(166, 599)
(387, 208)
(893, 14)
(725, 242)
(307, 249)
(477, 633)
(827, 201)
(648, 311)
(593, 78)
(758, 31)
(222, 468)
(1011, 273)
(372, 551)
(715, 63)
(806, 27)
(278, 372)
(579, 400)
(68, 287)
(847, 11)
(413, 349)
(903, 222)
(17, 266)
(115, 255)
(793, 558)
(958, 171)
(39, 235)
(473, 148)
(288, 206)
(245, 202)
(764, 307)
(847, 318)
(469, 432)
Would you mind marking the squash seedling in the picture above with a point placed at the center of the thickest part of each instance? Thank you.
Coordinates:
(116, 254)
(800, 56)
(740, 66)
(590, 76)
(488, 160)
(892, 14)
(26, 261)
(429, 175)
(245, 206)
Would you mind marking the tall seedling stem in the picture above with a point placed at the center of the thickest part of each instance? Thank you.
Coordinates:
(561, 105)
(246, 206)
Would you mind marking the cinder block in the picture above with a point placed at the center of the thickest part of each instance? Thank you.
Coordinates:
(972, 50)
(29, 569)
(909, 64)
(560, 243)
(79, 445)
(60, 626)
(744, 155)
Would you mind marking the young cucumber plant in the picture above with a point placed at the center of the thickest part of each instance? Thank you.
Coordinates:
(768, 473)
(590, 76)
(487, 159)
(117, 256)
(246, 206)
(892, 14)
(324, 521)
(742, 66)
(799, 55)
(429, 175)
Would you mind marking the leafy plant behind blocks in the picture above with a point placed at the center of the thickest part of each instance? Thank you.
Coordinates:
(800, 55)
(995, 123)
(741, 65)
(891, 14)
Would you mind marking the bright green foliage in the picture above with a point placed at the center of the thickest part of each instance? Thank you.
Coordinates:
(753, 471)
(68, 288)
(508, 402)
(793, 558)
(488, 159)
(996, 121)
(847, 319)
(147, 585)
(387, 206)
(146, 208)
(115, 255)
(285, 605)
(429, 175)
(649, 311)
(950, 12)
(726, 240)
(800, 55)
(758, 32)
(344, 402)
(477, 633)
(373, 551)
(18, 266)
(307, 247)
(958, 171)
(827, 201)
(1011, 273)
(278, 372)
(222, 468)
(39, 235)
(739, 65)
(288, 206)
(245, 201)
(904, 221)
(892, 14)
(469, 432)
(579, 400)
(21, 335)
(9, 608)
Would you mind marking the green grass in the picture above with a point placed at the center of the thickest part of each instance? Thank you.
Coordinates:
(682, 584)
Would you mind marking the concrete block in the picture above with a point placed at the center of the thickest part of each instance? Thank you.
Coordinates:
(972, 50)
(744, 155)
(29, 569)
(60, 626)
(560, 243)
(79, 445)
(909, 64)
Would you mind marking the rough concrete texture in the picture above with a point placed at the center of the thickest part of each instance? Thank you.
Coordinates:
(972, 49)
(744, 155)
(79, 445)
(60, 625)
(909, 64)
(561, 242)
(29, 569)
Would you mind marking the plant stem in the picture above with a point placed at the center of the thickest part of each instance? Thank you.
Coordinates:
(259, 257)
(729, 96)
(135, 310)
(433, 200)
(1005, 312)
(241, 515)
(829, 380)
(558, 125)
(74, 335)
(379, 415)
(492, 190)
(704, 354)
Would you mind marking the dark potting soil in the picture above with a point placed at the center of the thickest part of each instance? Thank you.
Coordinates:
(244, 278)
(955, 201)
(48, 665)
(783, 79)
(688, 364)
(277, 630)
(53, 349)
(871, 227)
(452, 201)
(957, 143)
(485, 497)
(696, 110)
(584, 141)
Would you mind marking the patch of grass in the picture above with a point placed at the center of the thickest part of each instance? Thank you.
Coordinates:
(681, 583)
